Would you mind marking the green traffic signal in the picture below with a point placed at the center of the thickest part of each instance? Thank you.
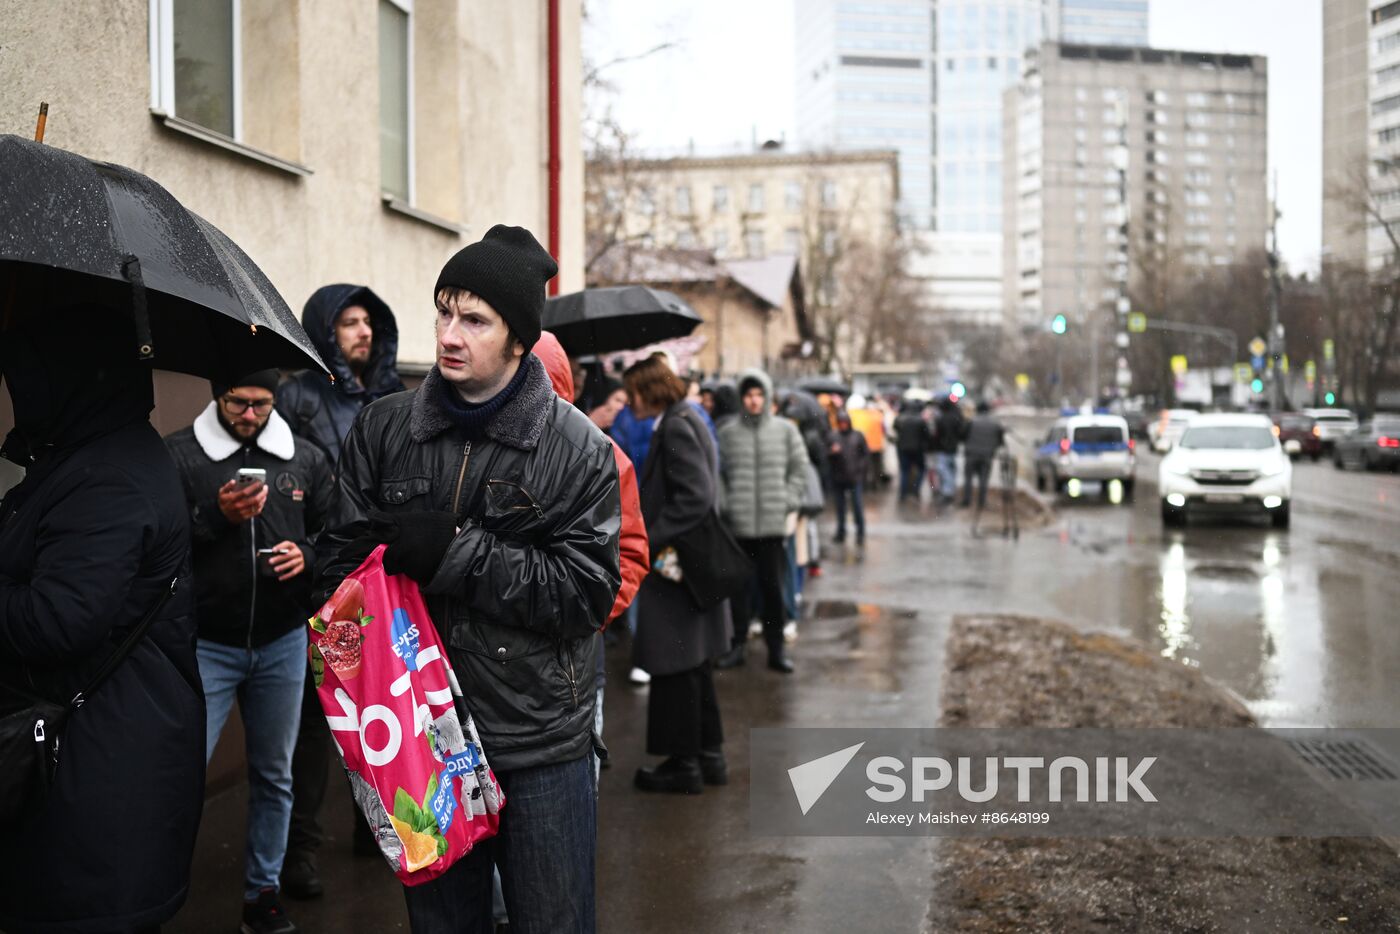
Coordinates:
(957, 391)
(1330, 398)
(1257, 385)
(1059, 324)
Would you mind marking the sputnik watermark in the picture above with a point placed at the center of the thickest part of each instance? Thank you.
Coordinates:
(1075, 782)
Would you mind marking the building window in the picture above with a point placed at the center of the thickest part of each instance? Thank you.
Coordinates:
(756, 199)
(753, 243)
(685, 240)
(646, 201)
(1198, 138)
(195, 63)
(396, 98)
(792, 197)
(683, 200)
(721, 199)
(1196, 99)
(792, 240)
(828, 193)
(720, 240)
(830, 241)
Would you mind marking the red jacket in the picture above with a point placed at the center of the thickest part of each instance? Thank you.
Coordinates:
(633, 540)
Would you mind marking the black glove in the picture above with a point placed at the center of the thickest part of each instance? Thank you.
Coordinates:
(417, 541)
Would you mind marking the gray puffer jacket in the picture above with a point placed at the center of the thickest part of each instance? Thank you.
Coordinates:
(764, 468)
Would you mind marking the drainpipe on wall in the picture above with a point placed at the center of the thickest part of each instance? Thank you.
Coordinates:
(554, 166)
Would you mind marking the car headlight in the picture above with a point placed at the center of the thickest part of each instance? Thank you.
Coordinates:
(1276, 468)
(1176, 468)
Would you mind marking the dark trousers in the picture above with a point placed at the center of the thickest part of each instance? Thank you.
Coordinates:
(979, 469)
(683, 713)
(911, 473)
(545, 850)
(857, 508)
(310, 764)
(770, 559)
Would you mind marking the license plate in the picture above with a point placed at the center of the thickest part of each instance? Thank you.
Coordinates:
(1224, 498)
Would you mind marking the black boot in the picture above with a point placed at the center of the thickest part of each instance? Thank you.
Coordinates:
(713, 769)
(676, 775)
(777, 658)
(733, 658)
(300, 876)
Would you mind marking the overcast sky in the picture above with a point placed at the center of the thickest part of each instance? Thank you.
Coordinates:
(729, 79)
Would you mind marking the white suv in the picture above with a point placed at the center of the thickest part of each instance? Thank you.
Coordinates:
(1227, 463)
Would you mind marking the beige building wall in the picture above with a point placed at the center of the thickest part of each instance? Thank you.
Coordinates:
(301, 191)
(1193, 129)
(706, 202)
(737, 328)
(1345, 94)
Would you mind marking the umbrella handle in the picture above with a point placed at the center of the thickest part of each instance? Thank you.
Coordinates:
(131, 269)
(43, 120)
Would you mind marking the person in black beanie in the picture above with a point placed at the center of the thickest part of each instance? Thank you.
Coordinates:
(501, 500)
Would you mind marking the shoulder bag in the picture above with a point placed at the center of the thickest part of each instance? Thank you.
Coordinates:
(31, 728)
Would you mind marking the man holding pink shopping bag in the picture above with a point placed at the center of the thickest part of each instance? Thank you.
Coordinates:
(501, 501)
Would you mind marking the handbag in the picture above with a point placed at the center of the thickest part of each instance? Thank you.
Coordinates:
(31, 728)
(713, 566)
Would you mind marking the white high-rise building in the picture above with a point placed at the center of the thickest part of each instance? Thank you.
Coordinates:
(925, 78)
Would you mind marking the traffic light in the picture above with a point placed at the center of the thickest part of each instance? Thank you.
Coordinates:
(957, 391)
(1059, 324)
(1256, 385)
(1330, 398)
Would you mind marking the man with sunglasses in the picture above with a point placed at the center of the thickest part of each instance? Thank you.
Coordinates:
(257, 494)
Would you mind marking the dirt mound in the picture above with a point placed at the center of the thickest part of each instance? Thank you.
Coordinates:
(1006, 671)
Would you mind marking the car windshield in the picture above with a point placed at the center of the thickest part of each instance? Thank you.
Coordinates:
(1295, 422)
(1098, 434)
(1228, 437)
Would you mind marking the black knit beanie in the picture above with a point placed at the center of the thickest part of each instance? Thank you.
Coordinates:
(508, 269)
(263, 379)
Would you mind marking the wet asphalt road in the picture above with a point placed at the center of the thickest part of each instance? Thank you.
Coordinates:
(1300, 624)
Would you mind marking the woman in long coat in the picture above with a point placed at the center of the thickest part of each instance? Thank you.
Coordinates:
(676, 640)
(88, 541)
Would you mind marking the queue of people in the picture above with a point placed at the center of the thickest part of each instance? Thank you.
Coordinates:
(533, 503)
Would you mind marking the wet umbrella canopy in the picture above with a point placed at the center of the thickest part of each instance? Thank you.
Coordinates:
(102, 233)
(827, 384)
(597, 321)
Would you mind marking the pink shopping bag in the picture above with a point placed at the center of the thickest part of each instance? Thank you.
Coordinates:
(411, 750)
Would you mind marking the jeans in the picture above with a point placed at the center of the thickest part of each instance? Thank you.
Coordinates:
(976, 469)
(947, 466)
(310, 770)
(267, 681)
(857, 507)
(911, 473)
(545, 851)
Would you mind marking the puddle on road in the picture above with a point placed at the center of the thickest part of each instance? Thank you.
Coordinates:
(841, 609)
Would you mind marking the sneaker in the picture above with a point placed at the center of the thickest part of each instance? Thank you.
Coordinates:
(638, 676)
(790, 631)
(265, 916)
(755, 628)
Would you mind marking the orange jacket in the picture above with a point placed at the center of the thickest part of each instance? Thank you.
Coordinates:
(633, 541)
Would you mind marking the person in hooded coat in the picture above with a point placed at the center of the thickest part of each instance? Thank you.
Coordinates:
(356, 335)
(89, 540)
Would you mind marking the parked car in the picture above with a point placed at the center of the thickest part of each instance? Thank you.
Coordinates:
(1167, 429)
(1299, 434)
(1086, 447)
(1227, 463)
(1332, 424)
(1374, 444)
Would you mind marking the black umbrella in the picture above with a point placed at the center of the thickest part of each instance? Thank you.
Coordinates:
(826, 384)
(801, 406)
(597, 321)
(116, 237)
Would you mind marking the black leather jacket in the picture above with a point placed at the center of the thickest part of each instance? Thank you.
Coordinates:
(529, 579)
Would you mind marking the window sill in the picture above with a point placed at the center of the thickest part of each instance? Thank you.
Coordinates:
(214, 138)
(399, 206)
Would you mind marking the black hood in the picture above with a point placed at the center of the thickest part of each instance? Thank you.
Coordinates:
(318, 319)
(73, 377)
